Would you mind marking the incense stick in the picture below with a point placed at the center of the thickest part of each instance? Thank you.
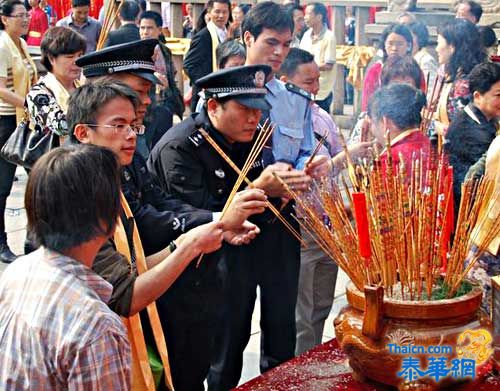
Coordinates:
(407, 210)
(271, 207)
(262, 137)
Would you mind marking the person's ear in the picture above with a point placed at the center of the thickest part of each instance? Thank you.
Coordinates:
(51, 60)
(385, 125)
(284, 78)
(477, 97)
(248, 38)
(4, 19)
(212, 105)
(81, 133)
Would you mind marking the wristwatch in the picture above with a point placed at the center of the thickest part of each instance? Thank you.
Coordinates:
(172, 246)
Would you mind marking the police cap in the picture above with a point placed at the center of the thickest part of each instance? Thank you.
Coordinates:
(132, 57)
(245, 84)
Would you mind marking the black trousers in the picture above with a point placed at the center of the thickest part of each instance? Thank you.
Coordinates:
(189, 312)
(272, 262)
(7, 170)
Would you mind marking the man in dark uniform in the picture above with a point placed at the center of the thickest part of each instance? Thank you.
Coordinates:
(274, 265)
(189, 167)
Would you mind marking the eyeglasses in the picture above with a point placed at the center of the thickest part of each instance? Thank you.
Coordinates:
(20, 16)
(122, 130)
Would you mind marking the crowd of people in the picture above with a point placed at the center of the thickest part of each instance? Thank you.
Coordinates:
(141, 266)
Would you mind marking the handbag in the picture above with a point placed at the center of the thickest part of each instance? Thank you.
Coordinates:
(25, 145)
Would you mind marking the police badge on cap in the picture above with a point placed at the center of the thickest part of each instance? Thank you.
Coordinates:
(260, 79)
(245, 84)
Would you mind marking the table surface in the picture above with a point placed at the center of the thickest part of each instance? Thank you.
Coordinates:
(326, 368)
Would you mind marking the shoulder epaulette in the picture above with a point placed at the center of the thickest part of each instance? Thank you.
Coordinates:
(197, 138)
(297, 90)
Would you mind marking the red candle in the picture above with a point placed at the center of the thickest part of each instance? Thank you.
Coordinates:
(362, 226)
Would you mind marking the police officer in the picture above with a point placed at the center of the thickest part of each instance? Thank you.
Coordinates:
(267, 34)
(188, 166)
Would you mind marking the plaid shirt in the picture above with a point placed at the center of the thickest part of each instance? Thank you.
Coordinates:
(56, 331)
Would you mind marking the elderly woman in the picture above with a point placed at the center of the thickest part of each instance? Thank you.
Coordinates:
(396, 109)
(47, 100)
(459, 50)
(17, 73)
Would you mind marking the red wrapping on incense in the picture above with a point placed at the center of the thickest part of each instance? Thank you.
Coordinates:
(449, 221)
(361, 217)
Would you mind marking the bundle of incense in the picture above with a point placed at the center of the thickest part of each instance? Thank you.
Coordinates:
(432, 102)
(110, 17)
(400, 232)
(480, 200)
(271, 207)
(261, 140)
(404, 231)
(350, 165)
(328, 234)
(262, 137)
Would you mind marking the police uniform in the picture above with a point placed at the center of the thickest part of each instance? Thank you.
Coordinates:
(160, 216)
(188, 166)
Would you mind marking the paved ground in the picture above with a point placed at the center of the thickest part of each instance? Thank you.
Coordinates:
(16, 232)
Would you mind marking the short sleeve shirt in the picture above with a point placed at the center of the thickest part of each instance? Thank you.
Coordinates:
(323, 48)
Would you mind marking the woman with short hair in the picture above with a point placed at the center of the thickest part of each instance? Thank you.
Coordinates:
(396, 109)
(47, 100)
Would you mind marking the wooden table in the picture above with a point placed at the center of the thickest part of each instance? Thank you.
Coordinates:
(326, 368)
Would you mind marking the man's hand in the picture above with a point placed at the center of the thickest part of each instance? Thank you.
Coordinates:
(357, 151)
(296, 179)
(318, 167)
(205, 238)
(245, 203)
(244, 235)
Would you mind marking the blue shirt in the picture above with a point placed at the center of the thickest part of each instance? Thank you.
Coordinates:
(293, 138)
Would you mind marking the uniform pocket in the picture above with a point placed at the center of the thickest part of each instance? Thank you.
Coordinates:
(184, 179)
(294, 133)
(286, 143)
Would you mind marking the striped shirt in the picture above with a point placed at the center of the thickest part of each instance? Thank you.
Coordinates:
(56, 332)
(6, 72)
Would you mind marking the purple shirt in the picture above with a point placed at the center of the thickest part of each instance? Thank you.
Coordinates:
(323, 126)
